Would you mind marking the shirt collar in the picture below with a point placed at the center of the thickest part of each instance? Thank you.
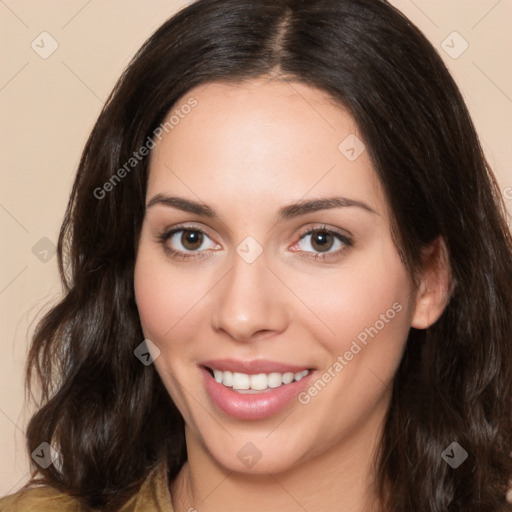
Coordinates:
(154, 495)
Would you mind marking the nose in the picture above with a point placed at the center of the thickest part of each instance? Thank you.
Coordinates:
(250, 302)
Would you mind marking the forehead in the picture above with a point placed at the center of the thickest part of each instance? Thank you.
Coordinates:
(278, 140)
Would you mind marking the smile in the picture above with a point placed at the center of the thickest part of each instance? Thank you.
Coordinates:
(245, 383)
(253, 396)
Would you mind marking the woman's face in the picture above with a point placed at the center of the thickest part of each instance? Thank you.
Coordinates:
(240, 288)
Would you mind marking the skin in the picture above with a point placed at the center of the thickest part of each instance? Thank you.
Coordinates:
(246, 150)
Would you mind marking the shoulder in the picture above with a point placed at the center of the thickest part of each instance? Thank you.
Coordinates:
(152, 496)
(39, 499)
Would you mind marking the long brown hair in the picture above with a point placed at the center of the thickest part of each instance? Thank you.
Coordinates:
(110, 416)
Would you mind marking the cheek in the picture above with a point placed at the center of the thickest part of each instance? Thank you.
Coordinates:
(366, 308)
(154, 307)
(166, 300)
(354, 298)
(165, 294)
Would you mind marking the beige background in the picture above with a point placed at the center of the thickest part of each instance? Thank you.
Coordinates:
(48, 107)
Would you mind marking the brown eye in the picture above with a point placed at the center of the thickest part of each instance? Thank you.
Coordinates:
(322, 241)
(184, 243)
(191, 240)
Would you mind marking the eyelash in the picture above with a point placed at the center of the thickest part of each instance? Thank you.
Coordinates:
(163, 237)
(344, 239)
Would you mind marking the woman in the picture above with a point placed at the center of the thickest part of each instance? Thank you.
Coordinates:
(288, 279)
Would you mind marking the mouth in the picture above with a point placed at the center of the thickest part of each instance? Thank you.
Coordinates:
(257, 390)
(246, 383)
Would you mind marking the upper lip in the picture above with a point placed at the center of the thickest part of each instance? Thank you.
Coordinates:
(252, 367)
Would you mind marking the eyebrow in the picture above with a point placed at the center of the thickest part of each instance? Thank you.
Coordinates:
(286, 212)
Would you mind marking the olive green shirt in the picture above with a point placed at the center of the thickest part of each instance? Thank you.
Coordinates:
(153, 496)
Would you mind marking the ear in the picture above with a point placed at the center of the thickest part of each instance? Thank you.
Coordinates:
(435, 286)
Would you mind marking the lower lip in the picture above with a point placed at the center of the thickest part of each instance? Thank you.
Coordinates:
(252, 406)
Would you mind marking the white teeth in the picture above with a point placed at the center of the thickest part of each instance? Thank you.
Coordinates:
(274, 380)
(218, 376)
(288, 377)
(241, 381)
(227, 379)
(299, 375)
(257, 382)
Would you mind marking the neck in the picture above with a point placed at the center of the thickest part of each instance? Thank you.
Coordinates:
(340, 479)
